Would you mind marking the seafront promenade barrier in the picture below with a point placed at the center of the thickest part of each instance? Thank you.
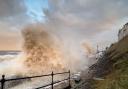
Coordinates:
(4, 80)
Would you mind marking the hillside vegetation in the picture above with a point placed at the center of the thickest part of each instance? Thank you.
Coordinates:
(117, 77)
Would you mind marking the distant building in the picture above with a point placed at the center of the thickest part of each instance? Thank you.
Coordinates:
(123, 32)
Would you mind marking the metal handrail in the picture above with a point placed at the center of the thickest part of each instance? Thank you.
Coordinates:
(4, 80)
(27, 77)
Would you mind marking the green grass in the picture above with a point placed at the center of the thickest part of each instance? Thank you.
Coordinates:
(118, 78)
(118, 49)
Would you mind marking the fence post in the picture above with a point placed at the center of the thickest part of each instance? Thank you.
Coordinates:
(52, 79)
(69, 80)
(2, 81)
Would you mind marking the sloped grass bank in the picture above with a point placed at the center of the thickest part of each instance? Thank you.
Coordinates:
(118, 77)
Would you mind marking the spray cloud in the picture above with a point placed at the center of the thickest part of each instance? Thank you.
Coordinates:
(41, 52)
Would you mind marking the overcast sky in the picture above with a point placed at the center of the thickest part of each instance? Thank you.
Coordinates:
(95, 21)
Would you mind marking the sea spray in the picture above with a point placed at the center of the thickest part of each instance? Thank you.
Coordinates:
(41, 52)
(45, 51)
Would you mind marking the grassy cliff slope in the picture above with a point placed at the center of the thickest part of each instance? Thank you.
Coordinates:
(117, 78)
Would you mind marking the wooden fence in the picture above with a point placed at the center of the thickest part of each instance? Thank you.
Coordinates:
(4, 80)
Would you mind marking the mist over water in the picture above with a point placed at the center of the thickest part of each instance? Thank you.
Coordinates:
(45, 51)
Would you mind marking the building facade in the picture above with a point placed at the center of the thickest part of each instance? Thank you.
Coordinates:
(123, 32)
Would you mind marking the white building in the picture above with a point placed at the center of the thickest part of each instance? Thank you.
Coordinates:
(123, 32)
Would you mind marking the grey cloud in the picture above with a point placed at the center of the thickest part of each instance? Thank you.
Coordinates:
(87, 14)
(13, 12)
(84, 19)
(11, 7)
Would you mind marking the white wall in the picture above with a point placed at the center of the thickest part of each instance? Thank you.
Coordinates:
(123, 32)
